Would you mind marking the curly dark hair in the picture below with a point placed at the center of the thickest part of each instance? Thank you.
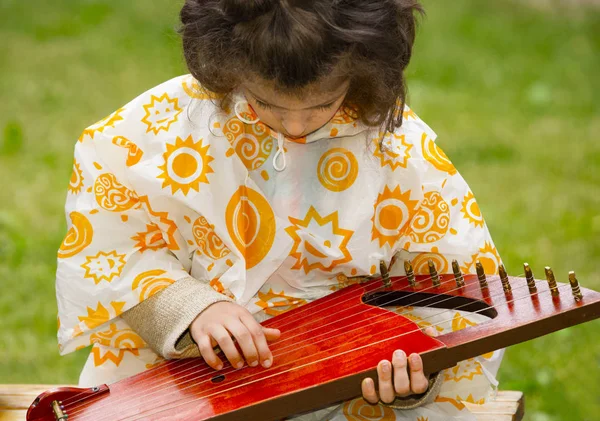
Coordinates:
(296, 42)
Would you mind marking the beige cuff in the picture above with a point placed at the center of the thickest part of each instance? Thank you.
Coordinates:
(414, 401)
(163, 320)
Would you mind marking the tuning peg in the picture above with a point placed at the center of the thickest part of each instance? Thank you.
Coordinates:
(385, 275)
(433, 273)
(410, 274)
(575, 287)
(481, 275)
(460, 281)
(504, 279)
(551, 281)
(530, 278)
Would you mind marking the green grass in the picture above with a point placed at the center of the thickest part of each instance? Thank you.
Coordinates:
(510, 89)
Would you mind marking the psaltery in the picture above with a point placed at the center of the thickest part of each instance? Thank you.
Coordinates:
(329, 345)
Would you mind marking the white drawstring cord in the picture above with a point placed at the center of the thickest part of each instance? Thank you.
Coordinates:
(280, 138)
(280, 152)
(239, 115)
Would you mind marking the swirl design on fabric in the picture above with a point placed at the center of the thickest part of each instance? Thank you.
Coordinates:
(421, 266)
(112, 195)
(209, 243)
(337, 169)
(360, 410)
(432, 220)
(252, 142)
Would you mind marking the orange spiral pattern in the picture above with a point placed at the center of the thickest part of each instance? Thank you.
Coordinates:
(208, 241)
(337, 169)
(252, 142)
(432, 220)
(360, 410)
(112, 195)
(421, 266)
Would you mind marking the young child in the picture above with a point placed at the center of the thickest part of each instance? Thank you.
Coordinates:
(285, 167)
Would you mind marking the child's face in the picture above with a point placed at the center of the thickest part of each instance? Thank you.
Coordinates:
(295, 116)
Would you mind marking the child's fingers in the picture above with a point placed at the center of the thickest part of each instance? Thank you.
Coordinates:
(260, 341)
(386, 388)
(368, 391)
(418, 381)
(401, 380)
(245, 340)
(208, 353)
(223, 338)
(271, 334)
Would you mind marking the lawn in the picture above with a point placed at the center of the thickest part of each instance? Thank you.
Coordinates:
(510, 87)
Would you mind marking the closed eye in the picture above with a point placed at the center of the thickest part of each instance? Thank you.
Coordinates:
(266, 106)
(263, 104)
(326, 106)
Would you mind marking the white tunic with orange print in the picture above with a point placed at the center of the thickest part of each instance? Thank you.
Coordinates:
(171, 185)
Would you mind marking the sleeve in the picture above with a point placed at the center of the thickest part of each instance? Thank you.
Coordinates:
(447, 224)
(119, 249)
(163, 320)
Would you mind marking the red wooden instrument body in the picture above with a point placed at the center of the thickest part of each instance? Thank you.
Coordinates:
(326, 348)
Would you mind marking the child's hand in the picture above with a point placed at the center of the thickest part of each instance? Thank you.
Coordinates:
(219, 322)
(394, 377)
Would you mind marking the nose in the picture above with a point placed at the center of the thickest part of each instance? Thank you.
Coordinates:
(295, 124)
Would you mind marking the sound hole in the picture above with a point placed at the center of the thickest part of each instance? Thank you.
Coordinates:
(218, 379)
(421, 299)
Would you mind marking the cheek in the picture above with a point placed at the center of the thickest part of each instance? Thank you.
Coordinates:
(268, 118)
(323, 116)
(265, 116)
(320, 118)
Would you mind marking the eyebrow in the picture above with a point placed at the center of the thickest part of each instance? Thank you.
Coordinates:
(308, 108)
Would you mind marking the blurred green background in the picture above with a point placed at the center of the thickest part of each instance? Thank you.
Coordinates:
(511, 88)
